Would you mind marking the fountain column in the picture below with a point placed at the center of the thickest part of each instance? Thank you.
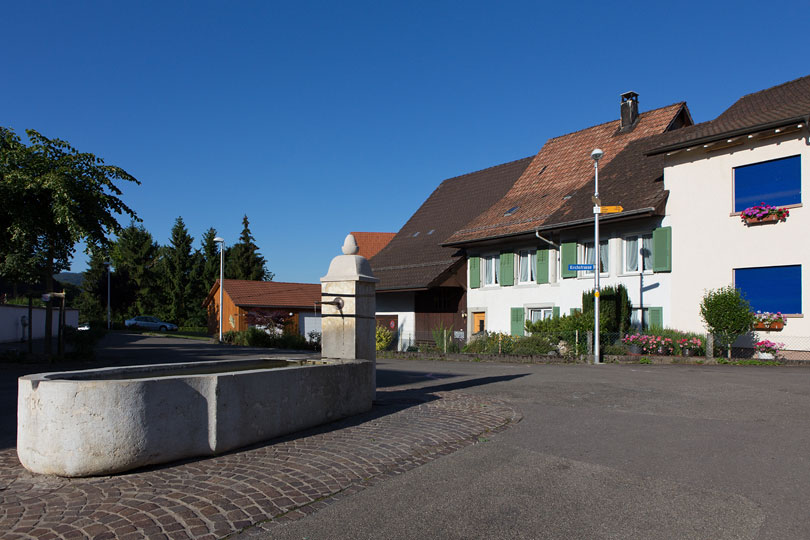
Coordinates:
(348, 308)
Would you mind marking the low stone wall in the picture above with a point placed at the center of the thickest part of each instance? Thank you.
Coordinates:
(103, 421)
(582, 359)
(481, 357)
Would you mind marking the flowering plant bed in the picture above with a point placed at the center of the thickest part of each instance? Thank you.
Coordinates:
(769, 321)
(688, 346)
(649, 344)
(768, 347)
(763, 213)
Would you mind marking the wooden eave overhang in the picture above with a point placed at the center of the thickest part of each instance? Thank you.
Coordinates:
(574, 224)
(736, 137)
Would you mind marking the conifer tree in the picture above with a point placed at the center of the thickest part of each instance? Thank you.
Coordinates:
(135, 256)
(179, 262)
(204, 273)
(93, 298)
(244, 260)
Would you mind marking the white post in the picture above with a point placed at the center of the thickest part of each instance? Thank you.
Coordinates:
(596, 155)
(107, 264)
(221, 242)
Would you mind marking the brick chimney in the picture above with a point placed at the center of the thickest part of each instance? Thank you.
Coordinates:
(629, 110)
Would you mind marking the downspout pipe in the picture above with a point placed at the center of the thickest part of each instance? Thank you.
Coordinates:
(537, 234)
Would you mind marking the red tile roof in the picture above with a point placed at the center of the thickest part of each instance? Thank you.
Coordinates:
(245, 293)
(779, 105)
(415, 258)
(370, 243)
(556, 187)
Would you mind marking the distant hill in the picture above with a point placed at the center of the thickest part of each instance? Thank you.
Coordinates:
(74, 278)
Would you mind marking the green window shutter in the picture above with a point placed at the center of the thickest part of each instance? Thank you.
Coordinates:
(569, 256)
(656, 315)
(518, 321)
(555, 311)
(507, 268)
(662, 249)
(575, 310)
(542, 266)
(475, 272)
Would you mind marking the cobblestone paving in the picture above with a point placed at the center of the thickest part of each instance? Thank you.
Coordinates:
(257, 487)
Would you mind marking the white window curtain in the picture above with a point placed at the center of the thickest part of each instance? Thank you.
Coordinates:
(638, 258)
(603, 255)
(524, 266)
(489, 276)
(646, 251)
(528, 262)
(631, 254)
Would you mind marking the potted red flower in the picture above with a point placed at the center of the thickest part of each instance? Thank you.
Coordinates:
(763, 213)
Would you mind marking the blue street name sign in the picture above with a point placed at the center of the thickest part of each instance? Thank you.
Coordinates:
(580, 267)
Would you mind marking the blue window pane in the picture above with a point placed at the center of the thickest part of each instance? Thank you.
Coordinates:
(776, 182)
(774, 288)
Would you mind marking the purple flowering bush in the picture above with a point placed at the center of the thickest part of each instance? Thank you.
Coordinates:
(764, 210)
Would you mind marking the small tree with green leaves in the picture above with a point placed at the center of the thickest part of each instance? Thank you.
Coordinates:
(727, 314)
(383, 337)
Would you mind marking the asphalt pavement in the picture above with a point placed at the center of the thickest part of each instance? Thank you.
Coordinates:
(647, 452)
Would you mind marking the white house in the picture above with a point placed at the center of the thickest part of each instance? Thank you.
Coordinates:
(757, 151)
(520, 249)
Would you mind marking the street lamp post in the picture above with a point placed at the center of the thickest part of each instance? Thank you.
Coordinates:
(221, 241)
(596, 155)
(108, 264)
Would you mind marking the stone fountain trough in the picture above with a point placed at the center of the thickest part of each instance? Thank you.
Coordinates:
(104, 421)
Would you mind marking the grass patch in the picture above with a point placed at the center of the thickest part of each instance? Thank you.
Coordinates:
(182, 335)
(749, 362)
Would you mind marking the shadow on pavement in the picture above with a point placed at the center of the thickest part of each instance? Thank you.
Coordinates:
(387, 403)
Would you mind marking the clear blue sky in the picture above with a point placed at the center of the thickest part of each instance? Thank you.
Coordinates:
(316, 119)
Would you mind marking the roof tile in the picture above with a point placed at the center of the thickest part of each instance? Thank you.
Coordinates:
(370, 243)
(784, 102)
(415, 259)
(245, 293)
(553, 188)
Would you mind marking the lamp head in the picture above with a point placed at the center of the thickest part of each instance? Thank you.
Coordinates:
(597, 154)
(219, 239)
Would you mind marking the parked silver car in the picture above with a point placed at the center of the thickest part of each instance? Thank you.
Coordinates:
(143, 322)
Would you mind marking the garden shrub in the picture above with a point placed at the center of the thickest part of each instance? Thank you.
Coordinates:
(535, 344)
(727, 315)
(491, 343)
(565, 328)
(383, 337)
(441, 336)
(256, 337)
(615, 310)
(81, 344)
(614, 349)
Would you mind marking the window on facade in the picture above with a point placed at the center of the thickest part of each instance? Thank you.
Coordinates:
(638, 254)
(492, 270)
(771, 288)
(636, 316)
(539, 314)
(527, 263)
(603, 256)
(777, 182)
